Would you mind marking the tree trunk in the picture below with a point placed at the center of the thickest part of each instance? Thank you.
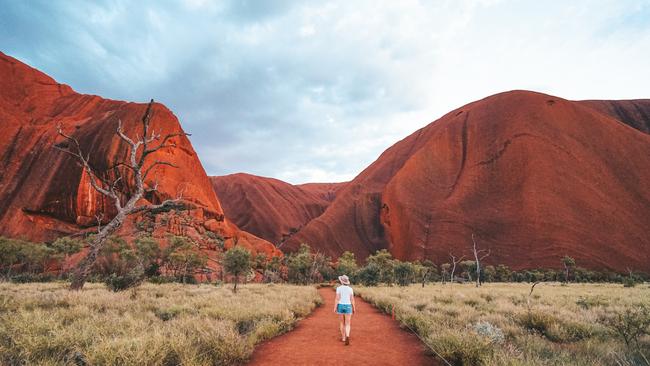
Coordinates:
(236, 280)
(85, 266)
(566, 273)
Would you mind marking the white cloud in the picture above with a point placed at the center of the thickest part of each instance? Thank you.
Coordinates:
(317, 90)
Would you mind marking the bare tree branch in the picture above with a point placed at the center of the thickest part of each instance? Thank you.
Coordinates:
(132, 193)
(156, 163)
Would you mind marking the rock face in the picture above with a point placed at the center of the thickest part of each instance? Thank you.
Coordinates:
(269, 208)
(532, 176)
(44, 194)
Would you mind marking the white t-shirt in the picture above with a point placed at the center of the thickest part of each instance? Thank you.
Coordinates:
(346, 294)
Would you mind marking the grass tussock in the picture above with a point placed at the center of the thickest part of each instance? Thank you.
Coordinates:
(168, 324)
(499, 324)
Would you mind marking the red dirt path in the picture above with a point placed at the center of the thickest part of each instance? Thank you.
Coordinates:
(375, 339)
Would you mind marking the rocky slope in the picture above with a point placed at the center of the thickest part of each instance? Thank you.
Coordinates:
(534, 177)
(269, 208)
(44, 194)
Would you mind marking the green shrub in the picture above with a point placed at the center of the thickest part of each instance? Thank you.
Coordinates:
(32, 277)
(629, 282)
(462, 349)
(369, 275)
(124, 282)
(630, 324)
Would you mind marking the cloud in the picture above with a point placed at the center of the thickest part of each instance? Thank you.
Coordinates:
(315, 91)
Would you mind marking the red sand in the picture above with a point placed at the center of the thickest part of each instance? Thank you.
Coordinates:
(375, 339)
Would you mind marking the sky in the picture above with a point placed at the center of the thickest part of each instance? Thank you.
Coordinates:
(315, 91)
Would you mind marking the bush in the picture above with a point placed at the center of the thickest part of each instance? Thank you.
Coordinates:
(629, 282)
(462, 349)
(490, 331)
(237, 261)
(630, 325)
(369, 275)
(32, 277)
(123, 282)
(404, 272)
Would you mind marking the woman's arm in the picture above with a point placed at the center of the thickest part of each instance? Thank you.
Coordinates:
(354, 306)
(338, 298)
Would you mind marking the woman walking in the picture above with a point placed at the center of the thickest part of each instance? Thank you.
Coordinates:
(344, 305)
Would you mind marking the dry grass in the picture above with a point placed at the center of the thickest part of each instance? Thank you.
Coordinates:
(492, 325)
(170, 324)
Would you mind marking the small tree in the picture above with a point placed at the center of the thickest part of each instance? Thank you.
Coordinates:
(300, 265)
(454, 262)
(568, 263)
(148, 254)
(9, 254)
(503, 273)
(237, 261)
(404, 272)
(469, 268)
(347, 264)
(369, 275)
(445, 269)
(430, 270)
(384, 261)
(65, 247)
(479, 255)
(489, 272)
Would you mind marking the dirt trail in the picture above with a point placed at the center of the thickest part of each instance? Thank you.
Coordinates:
(375, 339)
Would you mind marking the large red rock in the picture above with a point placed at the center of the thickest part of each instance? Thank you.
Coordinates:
(44, 193)
(269, 208)
(532, 176)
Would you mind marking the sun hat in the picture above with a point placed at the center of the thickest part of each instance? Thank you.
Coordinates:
(344, 280)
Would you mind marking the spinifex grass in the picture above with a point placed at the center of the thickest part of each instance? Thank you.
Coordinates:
(169, 324)
(498, 324)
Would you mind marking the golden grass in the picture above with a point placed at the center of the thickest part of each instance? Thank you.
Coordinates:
(493, 325)
(170, 324)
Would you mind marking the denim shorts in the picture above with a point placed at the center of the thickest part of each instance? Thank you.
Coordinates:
(344, 308)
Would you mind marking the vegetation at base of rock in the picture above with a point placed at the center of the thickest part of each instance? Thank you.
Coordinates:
(236, 262)
(501, 324)
(169, 324)
(122, 265)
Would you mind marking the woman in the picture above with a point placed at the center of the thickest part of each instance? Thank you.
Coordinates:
(344, 305)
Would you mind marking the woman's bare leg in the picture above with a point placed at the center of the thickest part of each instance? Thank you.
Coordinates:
(348, 320)
(342, 326)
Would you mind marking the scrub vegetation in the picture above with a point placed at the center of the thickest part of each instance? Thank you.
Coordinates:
(504, 324)
(167, 324)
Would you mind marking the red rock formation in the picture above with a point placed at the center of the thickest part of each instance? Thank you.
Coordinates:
(534, 177)
(326, 191)
(44, 194)
(269, 208)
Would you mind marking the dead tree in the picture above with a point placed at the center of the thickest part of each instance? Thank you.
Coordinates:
(454, 262)
(479, 255)
(116, 189)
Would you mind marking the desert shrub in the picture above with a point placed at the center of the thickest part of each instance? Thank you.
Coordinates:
(588, 302)
(490, 331)
(121, 282)
(369, 275)
(237, 261)
(542, 323)
(31, 277)
(629, 282)
(383, 260)
(346, 264)
(462, 349)
(629, 324)
(172, 324)
(403, 272)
